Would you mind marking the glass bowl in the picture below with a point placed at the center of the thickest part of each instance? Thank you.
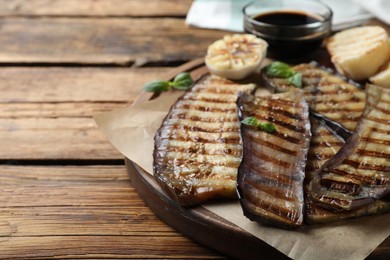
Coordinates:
(292, 28)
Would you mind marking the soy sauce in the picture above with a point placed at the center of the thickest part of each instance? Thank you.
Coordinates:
(290, 34)
(287, 18)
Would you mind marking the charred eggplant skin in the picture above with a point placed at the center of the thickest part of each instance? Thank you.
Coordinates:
(271, 174)
(328, 94)
(362, 161)
(197, 149)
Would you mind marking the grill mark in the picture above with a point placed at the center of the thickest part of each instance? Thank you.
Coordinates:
(213, 100)
(272, 160)
(232, 140)
(184, 115)
(272, 177)
(273, 191)
(321, 91)
(217, 90)
(384, 101)
(226, 151)
(343, 121)
(274, 109)
(381, 131)
(270, 207)
(378, 120)
(364, 179)
(204, 108)
(201, 129)
(372, 154)
(260, 141)
(287, 138)
(383, 110)
(374, 140)
(329, 108)
(343, 187)
(334, 202)
(340, 110)
(270, 117)
(284, 102)
(358, 165)
(182, 161)
(200, 175)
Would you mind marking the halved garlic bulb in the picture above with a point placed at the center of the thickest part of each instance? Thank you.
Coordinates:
(236, 56)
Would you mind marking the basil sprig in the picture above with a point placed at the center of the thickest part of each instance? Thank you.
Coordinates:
(282, 70)
(253, 121)
(181, 82)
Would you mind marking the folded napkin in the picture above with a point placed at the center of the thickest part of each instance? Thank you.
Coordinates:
(227, 14)
(379, 8)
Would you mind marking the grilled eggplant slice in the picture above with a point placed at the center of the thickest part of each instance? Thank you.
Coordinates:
(198, 147)
(359, 173)
(324, 144)
(326, 92)
(317, 214)
(271, 175)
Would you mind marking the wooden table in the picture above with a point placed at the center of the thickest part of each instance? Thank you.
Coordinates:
(65, 192)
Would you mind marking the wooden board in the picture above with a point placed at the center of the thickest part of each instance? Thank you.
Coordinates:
(198, 223)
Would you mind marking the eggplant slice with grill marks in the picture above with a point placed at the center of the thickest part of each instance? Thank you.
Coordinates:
(359, 174)
(326, 92)
(198, 147)
(324, 144)
(270, 177)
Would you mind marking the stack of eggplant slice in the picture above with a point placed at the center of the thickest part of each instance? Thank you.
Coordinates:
(324, 155)
(348, 166)
(356, 180)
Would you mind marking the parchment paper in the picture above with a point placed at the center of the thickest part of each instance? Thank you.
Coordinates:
(131, 131)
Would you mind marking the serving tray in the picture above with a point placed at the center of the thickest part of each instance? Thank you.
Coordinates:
(198, 223)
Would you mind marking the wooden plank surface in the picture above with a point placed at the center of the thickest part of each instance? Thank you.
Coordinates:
(121, 41)
(64, 191)
(82, 211)
(74, 84)
(46, 113)
(94, 8)
(53, 138)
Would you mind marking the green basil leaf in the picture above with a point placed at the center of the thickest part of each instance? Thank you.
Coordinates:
(267, 127)
(157, 86)
(251, 121)
(182, 81)
(279, 69)
(182, 76)
(296, 79)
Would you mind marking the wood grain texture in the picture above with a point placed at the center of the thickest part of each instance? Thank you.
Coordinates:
(46, 113)
(94, 8)
(82, 212)
(58, 209)
(120, 41)
(70, 84)
(62, 138)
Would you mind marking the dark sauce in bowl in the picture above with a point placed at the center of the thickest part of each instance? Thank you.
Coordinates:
(291, 34)
(287, 18)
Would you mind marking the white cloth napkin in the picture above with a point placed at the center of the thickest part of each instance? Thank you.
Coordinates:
(379, 8)
(227, 14)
